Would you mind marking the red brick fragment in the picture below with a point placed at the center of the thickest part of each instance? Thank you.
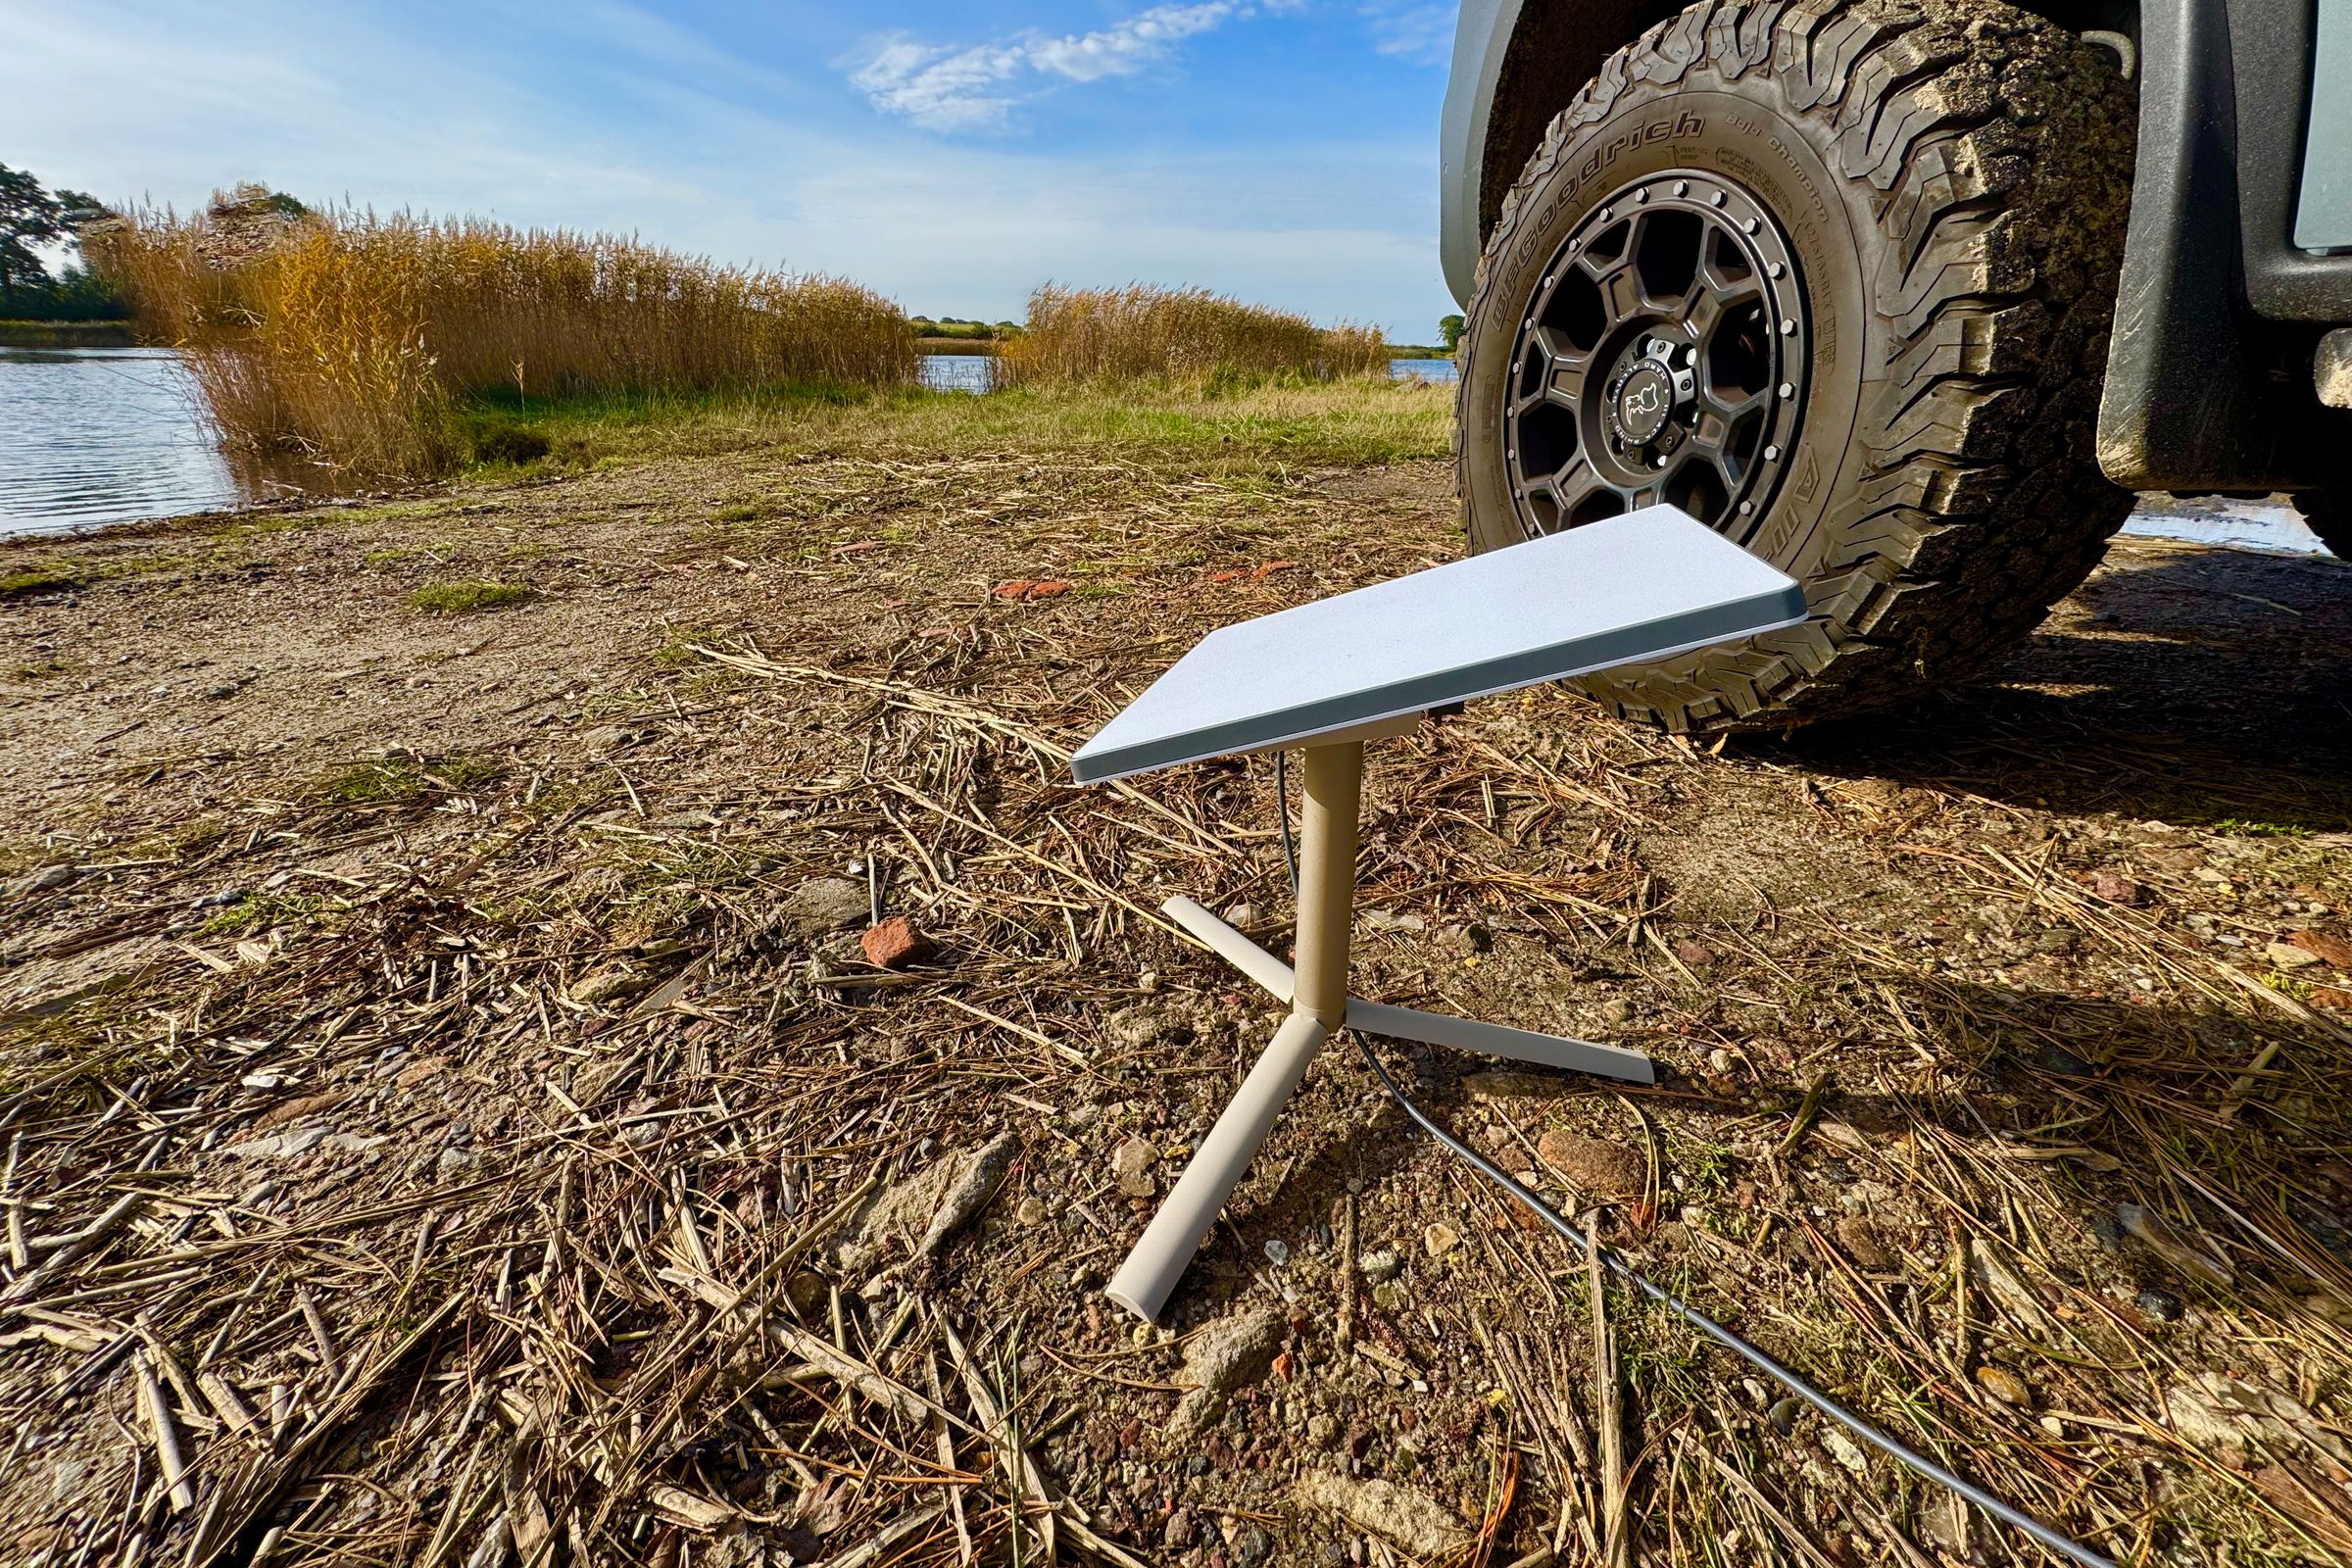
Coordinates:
(895, 944)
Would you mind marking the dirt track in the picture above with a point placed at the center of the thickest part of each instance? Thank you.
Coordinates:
(476, 976)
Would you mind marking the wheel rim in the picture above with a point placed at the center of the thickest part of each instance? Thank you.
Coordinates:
(1662, 358)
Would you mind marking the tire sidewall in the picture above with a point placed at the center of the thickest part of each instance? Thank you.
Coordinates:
(1744, 133)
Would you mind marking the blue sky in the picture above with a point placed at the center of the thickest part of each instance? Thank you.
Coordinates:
(951, 154)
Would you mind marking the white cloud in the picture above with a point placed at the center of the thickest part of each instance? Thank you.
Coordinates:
(945, 88)
(1420, 33)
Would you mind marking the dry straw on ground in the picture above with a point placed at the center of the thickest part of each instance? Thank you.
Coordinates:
(1143, 334)
(349, 339)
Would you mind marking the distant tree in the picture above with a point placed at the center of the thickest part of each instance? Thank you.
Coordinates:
(1450, 331)
(28, 216)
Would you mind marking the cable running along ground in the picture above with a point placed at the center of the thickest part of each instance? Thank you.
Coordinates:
(1762, 1362)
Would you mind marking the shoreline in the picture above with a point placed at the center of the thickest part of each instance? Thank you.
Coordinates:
(15, 334)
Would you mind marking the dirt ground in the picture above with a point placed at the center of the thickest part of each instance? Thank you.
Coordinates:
(451, 1115)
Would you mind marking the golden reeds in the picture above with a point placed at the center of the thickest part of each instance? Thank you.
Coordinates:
(1188, 336)
(347, 338)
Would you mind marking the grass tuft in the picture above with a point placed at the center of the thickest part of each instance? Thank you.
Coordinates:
(462, 597)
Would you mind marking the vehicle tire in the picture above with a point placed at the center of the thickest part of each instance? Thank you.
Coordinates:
(1863, 253)
(2327, 513)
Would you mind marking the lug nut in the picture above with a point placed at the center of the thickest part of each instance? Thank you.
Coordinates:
(1772, 454)
(1681, 187)
(1787, 389)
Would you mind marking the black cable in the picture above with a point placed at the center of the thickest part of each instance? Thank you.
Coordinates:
(1698, 1320)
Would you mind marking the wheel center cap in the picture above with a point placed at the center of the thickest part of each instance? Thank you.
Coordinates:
(1644, 398)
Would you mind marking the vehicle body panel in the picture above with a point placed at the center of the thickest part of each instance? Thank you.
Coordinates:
(2323, 210)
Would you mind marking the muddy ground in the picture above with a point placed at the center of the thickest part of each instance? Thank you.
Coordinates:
(452, 1115)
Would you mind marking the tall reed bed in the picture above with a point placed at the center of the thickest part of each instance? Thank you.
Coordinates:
(1187, 335)
(352, 340)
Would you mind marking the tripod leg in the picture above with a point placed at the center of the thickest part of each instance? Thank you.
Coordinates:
(1165, 1249)
(1497, 1039)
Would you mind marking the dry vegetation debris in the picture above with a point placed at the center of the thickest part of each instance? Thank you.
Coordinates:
(463, 1126)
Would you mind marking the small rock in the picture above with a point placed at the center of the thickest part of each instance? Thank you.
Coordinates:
(2004, 1385)
(922, 1210)
(1391, 1297)
(1441, 1238)
(1278, 1251)
(453, 1162)
(1842, 1448)
(1251, 1546)
(1408, 1519)
(1134, 1154)
(2325, 946)
(220, 692)
(822, 904)
(44, 878)
(605, 985)
(1242, 917)
(1595, 1164)
(1178, 1534)
(2287, 956)
(1032, 1211)
(1616, 1010)
(895, 944)
(2116, 888)
(1380, 1264)
(608, 737)
(1697, 955)
(1230, 1353)
(1144, 1026)
(1721, 1061)
(2162, 1305)
(1322, 1428)
(1863, 1244)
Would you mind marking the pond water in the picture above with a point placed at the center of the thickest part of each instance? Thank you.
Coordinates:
(91, 436)
(969, 373)
(102, 435)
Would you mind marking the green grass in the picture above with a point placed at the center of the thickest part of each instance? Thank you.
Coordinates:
(48, 579)
(464, 598)
(1236, 425)
(399, 778)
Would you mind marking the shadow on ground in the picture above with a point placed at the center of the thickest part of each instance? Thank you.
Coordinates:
(2192, 685)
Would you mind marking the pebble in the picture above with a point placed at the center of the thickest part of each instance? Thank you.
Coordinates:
(1144, 1026)
(2162, 1305)
(1865, 1245)
(2287, 955)
(1391, 1297)
(2004, 1385)
(1032, 1211)
(1242, 915)
(1441, 1238)
(1131, 1162)
(1697, 955)
(1278, 1251)
(1251, 1546)
(1595, 1164)
(44, 879)
(2116, 888)
(1380, 1264)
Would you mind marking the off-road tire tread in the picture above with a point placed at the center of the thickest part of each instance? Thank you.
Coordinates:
(1997, 152)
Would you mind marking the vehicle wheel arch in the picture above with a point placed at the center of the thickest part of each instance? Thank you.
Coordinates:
(1556, 46)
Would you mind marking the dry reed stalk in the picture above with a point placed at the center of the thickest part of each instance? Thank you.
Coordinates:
(1180, 335)
(348, 339)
